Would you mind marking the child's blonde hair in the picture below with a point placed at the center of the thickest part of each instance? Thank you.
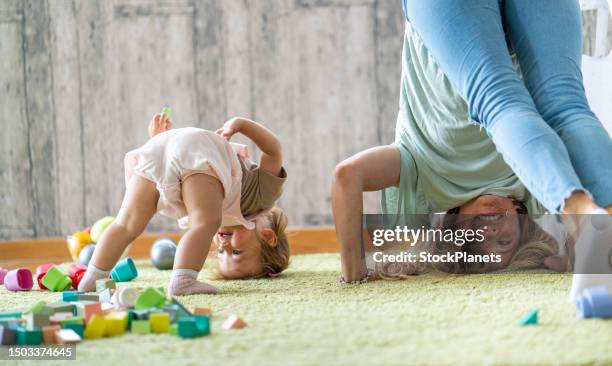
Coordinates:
(274, 258)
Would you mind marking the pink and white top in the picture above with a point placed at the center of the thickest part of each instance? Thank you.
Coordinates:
(170, 157)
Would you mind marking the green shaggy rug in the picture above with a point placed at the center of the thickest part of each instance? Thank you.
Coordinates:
(306, 318)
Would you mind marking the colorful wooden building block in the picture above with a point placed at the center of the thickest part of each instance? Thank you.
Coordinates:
(89, 297)
(172, 310)
(67, 336)
(8, 335)
(202, 324)
(19, 279)
(28, 337)
(183, 312)
(58, 318)
(115, 323)
(104, 284)
(10, 314)
(141, 326)
(234, 322)
(88, 309)
(38, 307)
(160, 322)
(173, 329)
(105, 295)
(187, 328)
(59, 307)
(95, 327)
(56, 280)
(49, 334)
(78, 328)
(71, 295)
(202, 311)
(531, 318)
(150, 298)
(72, 320)
(36, 320)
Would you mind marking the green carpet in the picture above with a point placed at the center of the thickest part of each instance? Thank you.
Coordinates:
(306, 318)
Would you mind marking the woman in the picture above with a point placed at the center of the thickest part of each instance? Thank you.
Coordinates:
(493, 116)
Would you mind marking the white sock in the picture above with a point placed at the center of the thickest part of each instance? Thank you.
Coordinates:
(93, 273)
(184, 282)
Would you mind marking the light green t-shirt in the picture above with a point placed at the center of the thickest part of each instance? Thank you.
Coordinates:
(446, 158)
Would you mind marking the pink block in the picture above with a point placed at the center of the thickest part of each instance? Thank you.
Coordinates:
(19, 279)
(43, 268)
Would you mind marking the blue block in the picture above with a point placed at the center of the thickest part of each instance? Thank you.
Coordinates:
(71, 295)
(531, 318)
(595, 302)
(29, 337)
(202, 324)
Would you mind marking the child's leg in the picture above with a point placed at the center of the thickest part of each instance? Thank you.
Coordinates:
(369, 170)
(138, 207)
(203, 197)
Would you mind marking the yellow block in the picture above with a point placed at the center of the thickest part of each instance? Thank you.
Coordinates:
(115, 323)
(160, 322)
(95, 327)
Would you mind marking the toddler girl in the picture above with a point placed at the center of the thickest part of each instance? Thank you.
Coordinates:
(211, 187)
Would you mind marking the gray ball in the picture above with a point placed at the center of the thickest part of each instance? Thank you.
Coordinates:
(86, 254)
(162, 253)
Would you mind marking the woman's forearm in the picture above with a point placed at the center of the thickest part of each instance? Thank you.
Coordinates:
(347, 205)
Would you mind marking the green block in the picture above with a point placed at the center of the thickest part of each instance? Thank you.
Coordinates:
(11, 314)
(173, 329)
(150, 298)
(141, 327)
(56, 280)
(187, 328)
(27, 337)
(78, 328)
(71, 295)
(166, 111)
(202, 324)
(36, 308)
(103, 284)
(59, 307)
(73, 320)
(531, 318)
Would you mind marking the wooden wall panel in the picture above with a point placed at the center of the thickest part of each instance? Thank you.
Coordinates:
(81, 79)
(16, 191)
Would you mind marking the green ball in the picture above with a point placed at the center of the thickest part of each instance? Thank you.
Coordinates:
(100, 226)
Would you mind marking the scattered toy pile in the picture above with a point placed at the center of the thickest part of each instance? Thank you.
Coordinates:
(110, 312)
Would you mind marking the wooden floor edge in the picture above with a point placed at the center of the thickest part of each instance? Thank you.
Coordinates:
(30, 253)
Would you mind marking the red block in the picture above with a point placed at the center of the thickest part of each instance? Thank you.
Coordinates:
(74, 268)
(39, 278)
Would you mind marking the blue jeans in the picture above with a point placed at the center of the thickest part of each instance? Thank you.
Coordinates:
(542, 125)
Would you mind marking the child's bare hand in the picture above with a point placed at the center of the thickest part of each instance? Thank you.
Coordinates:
(230, 128)
(159, 123)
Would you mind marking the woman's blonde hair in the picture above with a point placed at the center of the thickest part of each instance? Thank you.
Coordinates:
(535, 244)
